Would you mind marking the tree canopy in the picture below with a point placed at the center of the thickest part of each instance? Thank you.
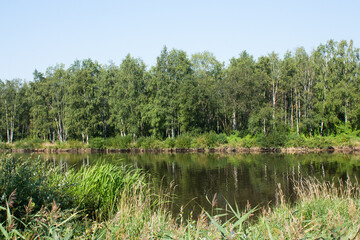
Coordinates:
(306, 93)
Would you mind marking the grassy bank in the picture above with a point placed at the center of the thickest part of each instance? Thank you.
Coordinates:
(199, 141)
(104, 201)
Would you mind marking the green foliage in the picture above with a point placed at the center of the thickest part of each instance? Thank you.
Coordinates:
(199, 141)
(170, 142)
(71, 144)
(31, 143)
(319, 142)
(4, 146)
(293, 140)
(99, 188)
(273, 139)
(183, 141)
(26, 179)
(311, 94)
(222, 138)
(42, 200)
(149, 143)
(119, 142)
(249, 141)
(97, 143)
(211, 139)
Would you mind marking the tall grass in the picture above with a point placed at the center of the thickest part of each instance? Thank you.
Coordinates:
(323, 211)
(99, 188)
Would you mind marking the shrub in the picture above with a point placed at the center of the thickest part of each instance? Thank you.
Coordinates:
(73, 144)
(31, 179)
(170, 142)
(183, 141)
(119, 142)
(233, 140)
(199, 142)
(272, 139)
(149, 143)
(248, 141)
(4, 146)
(97, 143)
(211, 140)
(31, 143)
(293, 140)
(222, 138)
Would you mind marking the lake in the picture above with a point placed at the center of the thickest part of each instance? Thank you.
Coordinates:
(242, 178)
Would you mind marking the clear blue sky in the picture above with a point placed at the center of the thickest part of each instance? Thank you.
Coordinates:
(41, 33)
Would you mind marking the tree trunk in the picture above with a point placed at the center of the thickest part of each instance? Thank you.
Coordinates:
(234, 119)
(292, 111)
(172, 128)
(296, 112)
(345, 112)
(285, 108)
(264, 126)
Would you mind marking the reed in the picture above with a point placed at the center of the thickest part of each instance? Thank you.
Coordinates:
(98, 189)
(324, 210)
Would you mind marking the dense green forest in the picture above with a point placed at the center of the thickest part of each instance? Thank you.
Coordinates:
(302, 93)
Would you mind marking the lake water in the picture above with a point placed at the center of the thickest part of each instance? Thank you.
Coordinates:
(242, 178)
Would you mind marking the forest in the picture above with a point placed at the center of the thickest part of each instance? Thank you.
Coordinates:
(303, 93)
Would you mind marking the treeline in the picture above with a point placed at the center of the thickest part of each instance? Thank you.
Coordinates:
(310, 94)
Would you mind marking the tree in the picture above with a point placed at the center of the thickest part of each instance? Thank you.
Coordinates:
(11, 102)
(126, 96)
(83, 108)
(171, 71)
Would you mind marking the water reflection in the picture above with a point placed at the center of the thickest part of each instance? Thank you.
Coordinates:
(240, 178)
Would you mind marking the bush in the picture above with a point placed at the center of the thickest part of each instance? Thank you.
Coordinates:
(293, 140)
(97, 143)
(273, 139)
(22, 180)
(248, 141)
(222, 138)
(149, 143)
(183, 141)
(119, 142)
(233, 140)
(199, 142)
(71, 144)
(318, 142)
(31, 143)
(211, 139)
(170, 142)
(4, 146)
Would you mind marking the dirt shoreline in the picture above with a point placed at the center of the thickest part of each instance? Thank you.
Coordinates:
(292, 150)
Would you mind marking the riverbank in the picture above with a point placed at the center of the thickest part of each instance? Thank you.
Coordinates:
(291, 150)
(114, 202)
(208, 142)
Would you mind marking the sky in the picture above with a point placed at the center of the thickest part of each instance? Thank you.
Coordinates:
(38, 34)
